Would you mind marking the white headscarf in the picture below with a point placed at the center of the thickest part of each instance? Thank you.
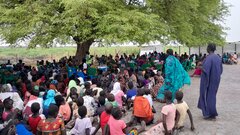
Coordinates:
(116, 88)
(81, 80)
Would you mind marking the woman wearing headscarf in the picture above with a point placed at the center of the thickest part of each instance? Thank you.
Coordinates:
(72, 84)
(118, 94)
(6, 92)
(48, 101)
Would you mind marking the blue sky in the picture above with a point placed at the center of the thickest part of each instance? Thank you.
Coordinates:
(233, 21)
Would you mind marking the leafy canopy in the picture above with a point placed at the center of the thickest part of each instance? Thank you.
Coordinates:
(190, 22)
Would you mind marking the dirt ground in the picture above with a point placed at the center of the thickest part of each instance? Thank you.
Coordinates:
(227, 106)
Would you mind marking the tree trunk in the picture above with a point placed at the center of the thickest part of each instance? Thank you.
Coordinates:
(82, 49)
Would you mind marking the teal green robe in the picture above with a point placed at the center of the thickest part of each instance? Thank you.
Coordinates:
(175, 77)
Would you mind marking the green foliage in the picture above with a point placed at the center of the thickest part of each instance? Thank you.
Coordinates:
(190, 22)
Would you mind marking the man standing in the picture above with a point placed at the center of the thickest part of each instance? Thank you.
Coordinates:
(210, 79)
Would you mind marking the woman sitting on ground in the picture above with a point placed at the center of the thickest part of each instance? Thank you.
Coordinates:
(51, 125)
(198, 70)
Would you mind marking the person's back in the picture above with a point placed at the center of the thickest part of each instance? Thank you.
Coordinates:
(216, 66)
(35, 118)
(83, 125)
(142, 108)
(115, 124)
(104, 119)
(131, 93)
(65, 111)
(182, 108)
(170, 112)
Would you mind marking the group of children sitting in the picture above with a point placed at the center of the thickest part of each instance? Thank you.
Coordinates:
(76, 115)
(48, 104)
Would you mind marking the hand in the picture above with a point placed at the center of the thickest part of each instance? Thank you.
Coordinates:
(192, 128)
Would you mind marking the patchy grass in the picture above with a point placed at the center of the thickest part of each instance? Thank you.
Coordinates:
(31, 55)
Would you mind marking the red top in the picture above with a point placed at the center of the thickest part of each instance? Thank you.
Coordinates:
(33, 122)
(104, 120)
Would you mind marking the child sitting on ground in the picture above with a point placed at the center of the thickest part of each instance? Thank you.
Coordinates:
(34, 119)
(183, 110)
(8, 108)
(142, 111)
(131, 93)
(83, 124)
(101, 106)
(111, 99)
(64, 108)
(89, 102)
(167, 123)
(115, 125)
(79, 102)
(149, 98)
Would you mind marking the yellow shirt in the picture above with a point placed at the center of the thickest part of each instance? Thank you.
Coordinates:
(182, 109)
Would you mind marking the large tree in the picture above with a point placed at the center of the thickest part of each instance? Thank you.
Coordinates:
(191, 22)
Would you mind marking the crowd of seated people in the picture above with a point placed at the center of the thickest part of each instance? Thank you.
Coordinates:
(68, 98)
(229, 58)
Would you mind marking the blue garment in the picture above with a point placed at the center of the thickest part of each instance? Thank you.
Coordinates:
(49, 99)
(71, 71)
(175, 77)
(210, 79)
(21, 130)
(131, 93)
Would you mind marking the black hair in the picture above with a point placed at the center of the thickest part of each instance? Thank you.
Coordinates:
(108, 108)
(211, 47)
(88, 92)
(111, 97)
(73, 89)
(84, 60)
(6, 103)
(82, 111)
(80, 101)
(147, 91)
(116, 113)
(146, 76)
(168, 95)
(130, 85)
(87, 85)
(169, 51)
(101, 100)
(179, 95)
(99, 84)
(35, 107)
(34, 78)
(102, 93)
(53, 111)
(59, 100)
(94, 81)
(77, 81)
(140, 92)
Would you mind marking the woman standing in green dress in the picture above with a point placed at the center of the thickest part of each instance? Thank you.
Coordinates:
(175, 76)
